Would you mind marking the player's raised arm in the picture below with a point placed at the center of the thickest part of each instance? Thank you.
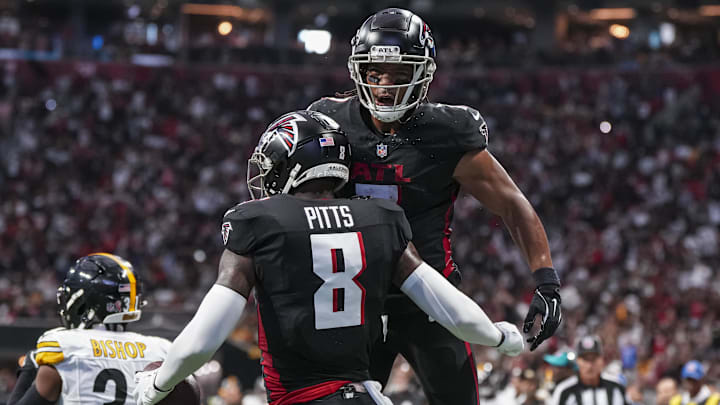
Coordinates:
(483, 176)
(216, 318)
(430, 291)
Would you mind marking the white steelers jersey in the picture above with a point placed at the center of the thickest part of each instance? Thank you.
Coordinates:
(98, 366)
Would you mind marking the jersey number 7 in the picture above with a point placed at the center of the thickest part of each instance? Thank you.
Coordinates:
(339, 259)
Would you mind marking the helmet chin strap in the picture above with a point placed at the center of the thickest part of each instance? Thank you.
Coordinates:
(90, 315)
(387, 116)
(291, 178)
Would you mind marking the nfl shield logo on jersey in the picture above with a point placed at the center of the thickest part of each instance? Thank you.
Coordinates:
(381, 150)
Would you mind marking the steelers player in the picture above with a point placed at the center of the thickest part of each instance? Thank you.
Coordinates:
(91, 358)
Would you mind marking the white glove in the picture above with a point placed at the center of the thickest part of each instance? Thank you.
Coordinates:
(145, 392)
(513, 342)
(374, 389)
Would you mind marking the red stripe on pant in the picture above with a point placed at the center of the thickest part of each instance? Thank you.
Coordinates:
(473, 370)
(310, 393)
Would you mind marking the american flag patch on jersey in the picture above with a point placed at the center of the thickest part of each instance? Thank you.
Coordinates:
(327, 141)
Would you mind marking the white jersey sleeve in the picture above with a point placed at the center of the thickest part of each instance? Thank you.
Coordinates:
(98, 366)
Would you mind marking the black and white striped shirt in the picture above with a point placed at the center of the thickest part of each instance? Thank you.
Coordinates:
(572, 392)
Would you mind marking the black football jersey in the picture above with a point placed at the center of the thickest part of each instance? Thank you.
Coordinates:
(323, 269)
(413, 167)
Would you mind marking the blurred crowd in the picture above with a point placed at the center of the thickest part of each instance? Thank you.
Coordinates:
(623, 167)
(470, 44)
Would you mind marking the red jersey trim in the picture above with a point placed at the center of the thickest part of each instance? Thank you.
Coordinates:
(449, 263)
(473, 367)
(270, 374)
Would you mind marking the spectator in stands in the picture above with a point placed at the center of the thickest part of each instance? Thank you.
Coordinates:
(695, 391)
(633, 215)
(665, 389)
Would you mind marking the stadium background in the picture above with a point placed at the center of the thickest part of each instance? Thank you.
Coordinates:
(125, 126)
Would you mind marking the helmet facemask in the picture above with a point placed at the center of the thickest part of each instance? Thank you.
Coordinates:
(393, 36)
(407, 95)
(259, 166)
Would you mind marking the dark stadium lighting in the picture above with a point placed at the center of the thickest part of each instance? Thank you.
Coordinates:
(239, 13)
(619, 31)
(710, 10)
(224, 28)
(605, 127)
(612, 13)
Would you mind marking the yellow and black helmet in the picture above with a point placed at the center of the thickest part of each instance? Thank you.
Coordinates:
(99, 288)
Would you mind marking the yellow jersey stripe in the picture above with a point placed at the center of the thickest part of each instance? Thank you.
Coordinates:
(49, 343)
(130, 276)
(49, 358)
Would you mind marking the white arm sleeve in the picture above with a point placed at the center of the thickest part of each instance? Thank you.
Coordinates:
(217, 316)
(448, 306)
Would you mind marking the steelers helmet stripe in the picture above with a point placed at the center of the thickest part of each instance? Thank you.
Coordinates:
(130, 276)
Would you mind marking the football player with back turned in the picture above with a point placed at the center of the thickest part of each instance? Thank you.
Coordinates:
(419, 154)
(92, 359)
(321, 268)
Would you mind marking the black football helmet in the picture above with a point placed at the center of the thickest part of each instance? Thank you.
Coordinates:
(298, 147)
(99, 288)
(397, 36)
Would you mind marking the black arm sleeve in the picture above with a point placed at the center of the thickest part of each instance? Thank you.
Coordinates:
(25, 377)
(31, 397)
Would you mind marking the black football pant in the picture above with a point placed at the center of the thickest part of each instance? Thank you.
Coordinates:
(443, 363)
(358, 398)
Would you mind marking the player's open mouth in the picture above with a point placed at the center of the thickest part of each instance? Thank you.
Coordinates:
(385, 100)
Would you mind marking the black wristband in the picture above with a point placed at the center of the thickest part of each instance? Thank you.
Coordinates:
(546, 275)
(502, 338)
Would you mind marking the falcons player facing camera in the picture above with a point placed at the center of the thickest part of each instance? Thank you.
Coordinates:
(91, 358)
(321, 268)
(419, 154)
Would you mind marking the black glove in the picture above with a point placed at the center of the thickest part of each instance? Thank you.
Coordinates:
(546, 302)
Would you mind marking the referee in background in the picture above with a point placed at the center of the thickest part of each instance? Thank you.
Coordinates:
(589, 386)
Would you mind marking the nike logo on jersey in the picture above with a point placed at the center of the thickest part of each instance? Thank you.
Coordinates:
(329, 217)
